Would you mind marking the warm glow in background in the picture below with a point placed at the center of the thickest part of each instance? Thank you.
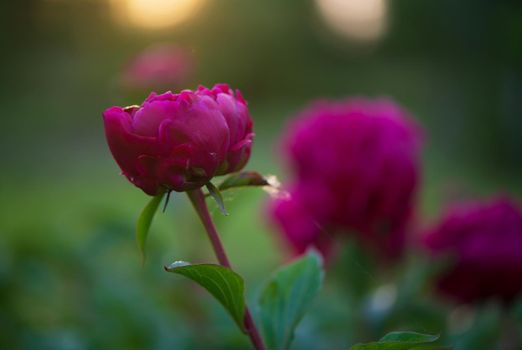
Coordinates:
(362, 20)
(155, 14)
(355, 19)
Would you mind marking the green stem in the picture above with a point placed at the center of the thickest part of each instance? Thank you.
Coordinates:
(198, 201)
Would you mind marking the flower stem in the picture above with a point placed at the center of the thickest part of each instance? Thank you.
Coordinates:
(198, 201)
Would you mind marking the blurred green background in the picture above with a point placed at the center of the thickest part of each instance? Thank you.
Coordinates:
(70, 274)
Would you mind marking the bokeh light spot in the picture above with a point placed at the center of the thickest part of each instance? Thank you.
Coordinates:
(155, 14)
(364, 20)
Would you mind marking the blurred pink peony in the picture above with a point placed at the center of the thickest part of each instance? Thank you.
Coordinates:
(180, 141)
(302, 217)
(483, 240)
(355, 166)
(159, 67)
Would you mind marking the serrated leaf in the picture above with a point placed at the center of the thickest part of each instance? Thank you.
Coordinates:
(214, 192)
(224, 284)
(287, 296)
(242, 179)
(144, 221)
(401, 341)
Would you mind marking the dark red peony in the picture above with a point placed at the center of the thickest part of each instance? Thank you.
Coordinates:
(483, 242)
(180, 141)
(355, 167)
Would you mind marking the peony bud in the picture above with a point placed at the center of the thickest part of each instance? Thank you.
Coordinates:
(180, 141)
(234, 109)
(484, 244)
(361, 159)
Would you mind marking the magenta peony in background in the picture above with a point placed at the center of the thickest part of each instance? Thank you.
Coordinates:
(180, 141)
(159, 66)
(483, 241)
(355, 170)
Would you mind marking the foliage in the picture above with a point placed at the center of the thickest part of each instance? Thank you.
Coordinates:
(144, 222)
(401, 341)
(224, 284)
(286, 298)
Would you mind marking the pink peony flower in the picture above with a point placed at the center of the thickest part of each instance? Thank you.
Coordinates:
(180, 141)
(301, 217)
(159, 66)
(355, 167)
(484, 242)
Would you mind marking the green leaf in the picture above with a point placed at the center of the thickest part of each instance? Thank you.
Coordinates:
(287, 296)
(144, 221)
(401, 341)
(409, 337)
(242, 179)
(224, 284)
(214, 192)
